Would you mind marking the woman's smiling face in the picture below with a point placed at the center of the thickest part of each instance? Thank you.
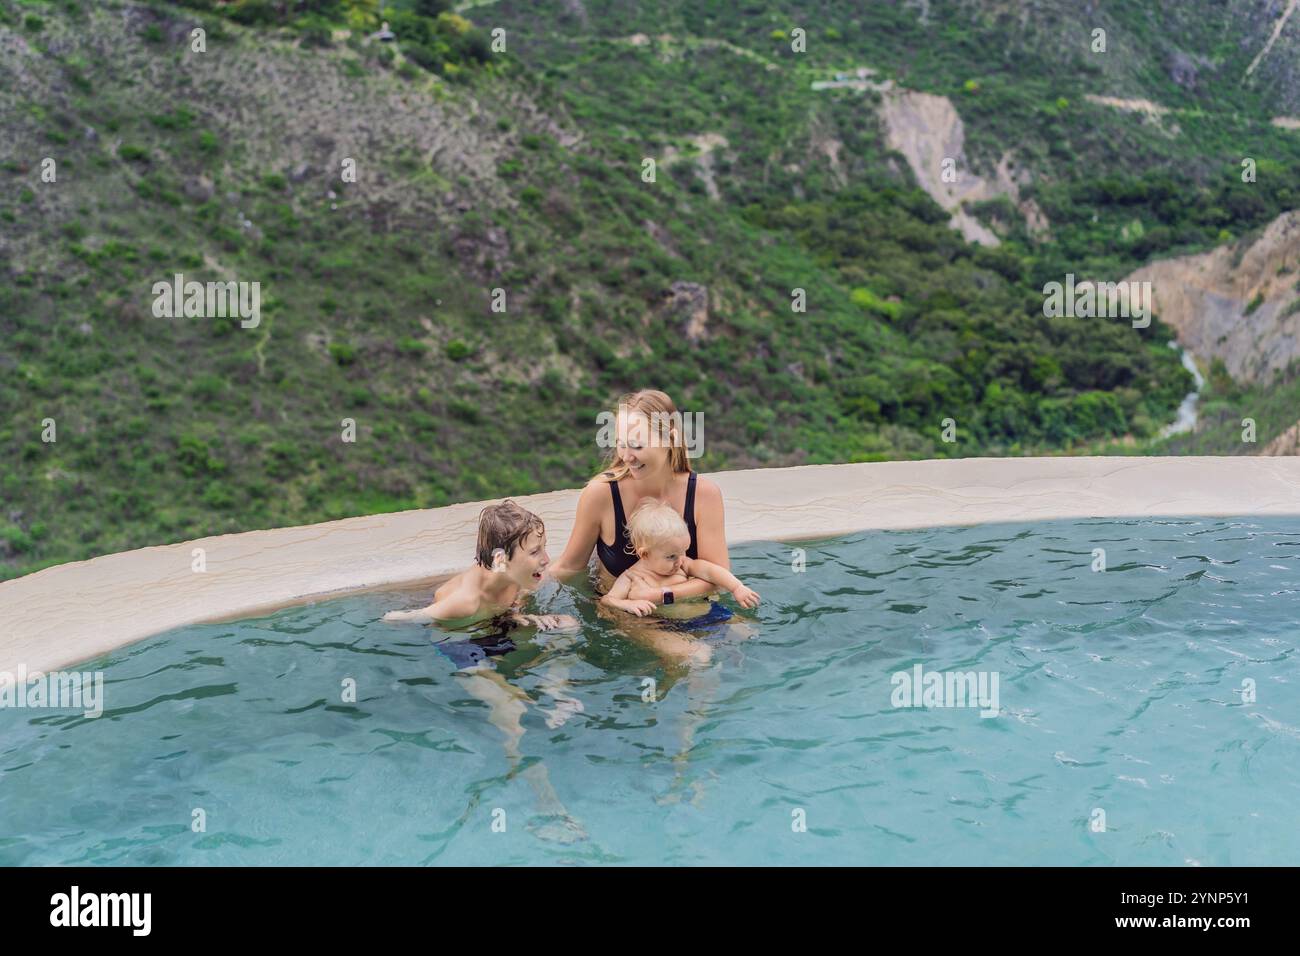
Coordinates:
(643, 451)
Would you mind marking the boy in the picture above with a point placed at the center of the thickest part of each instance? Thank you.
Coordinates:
(510, 560)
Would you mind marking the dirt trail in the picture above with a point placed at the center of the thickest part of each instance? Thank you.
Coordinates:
(1277, 32)
(703, 146)
(1128, 105)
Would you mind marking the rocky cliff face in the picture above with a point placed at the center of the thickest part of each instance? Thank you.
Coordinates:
(928, 132)
(1287, 443)
(1238, 302)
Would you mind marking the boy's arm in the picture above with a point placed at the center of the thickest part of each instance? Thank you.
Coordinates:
(545, 622)
(451, 609)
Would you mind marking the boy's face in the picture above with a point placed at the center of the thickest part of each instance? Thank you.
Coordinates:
(530, 559)
(665, 558)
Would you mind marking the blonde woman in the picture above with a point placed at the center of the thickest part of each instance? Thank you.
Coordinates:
(648, 461)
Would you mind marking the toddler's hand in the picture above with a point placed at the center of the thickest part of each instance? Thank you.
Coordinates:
(745, 597)
(639, 608)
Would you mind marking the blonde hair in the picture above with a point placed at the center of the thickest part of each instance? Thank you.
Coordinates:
(657, 407)
(503, 526)
(652, 522)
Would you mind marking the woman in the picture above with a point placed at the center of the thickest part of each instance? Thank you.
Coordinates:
(648, 461)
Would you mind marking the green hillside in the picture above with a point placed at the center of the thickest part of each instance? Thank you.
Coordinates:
(521, 171)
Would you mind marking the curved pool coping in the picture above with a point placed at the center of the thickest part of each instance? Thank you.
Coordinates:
(74, 612)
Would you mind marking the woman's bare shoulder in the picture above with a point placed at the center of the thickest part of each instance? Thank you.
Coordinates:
(595, 490)
(707, 490)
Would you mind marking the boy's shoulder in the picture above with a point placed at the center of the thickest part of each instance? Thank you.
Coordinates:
(458, 598)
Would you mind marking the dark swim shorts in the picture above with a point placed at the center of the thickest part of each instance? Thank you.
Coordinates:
(713, 619)
(477, 649)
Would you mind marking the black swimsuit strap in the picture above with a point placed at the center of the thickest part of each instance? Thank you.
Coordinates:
(622, 537)
(620, 519)
(694, 550)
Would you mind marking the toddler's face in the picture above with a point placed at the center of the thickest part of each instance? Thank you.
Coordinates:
(665, 557)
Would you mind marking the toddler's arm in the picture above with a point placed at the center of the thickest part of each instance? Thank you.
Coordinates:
(717, 575)
(618, 597)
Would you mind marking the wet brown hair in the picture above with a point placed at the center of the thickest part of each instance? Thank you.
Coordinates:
(503, 526)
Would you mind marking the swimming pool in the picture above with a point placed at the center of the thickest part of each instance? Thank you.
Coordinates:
(1147, 714)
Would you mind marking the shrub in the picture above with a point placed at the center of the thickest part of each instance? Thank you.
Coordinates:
(218, 495)
(282, 459)
(463, 410)
(207, 388)
(316, 34)
(457, 350)
(866, 299)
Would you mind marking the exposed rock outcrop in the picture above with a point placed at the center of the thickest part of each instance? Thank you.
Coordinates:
(688, 302)
(1237, 305)
(1287, 443)
(926, 130)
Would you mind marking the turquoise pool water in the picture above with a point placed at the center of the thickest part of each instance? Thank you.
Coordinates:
(1125, 692)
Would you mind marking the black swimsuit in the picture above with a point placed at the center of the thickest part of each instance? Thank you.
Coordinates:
(618, 557)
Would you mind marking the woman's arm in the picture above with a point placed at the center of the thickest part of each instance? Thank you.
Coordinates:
(586, 528)
(710, 524)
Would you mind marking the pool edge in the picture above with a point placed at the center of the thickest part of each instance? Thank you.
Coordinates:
(74, 612)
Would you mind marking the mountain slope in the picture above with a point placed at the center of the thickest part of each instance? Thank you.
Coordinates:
(525, 175)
